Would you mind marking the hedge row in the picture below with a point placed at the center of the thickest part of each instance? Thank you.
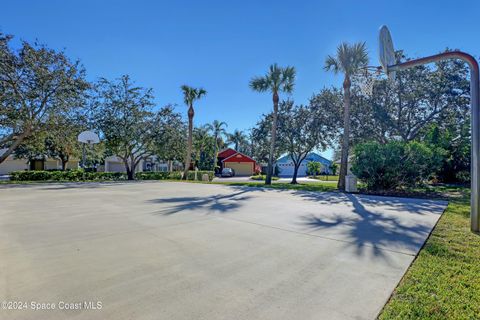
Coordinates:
(80, 175)
(176, 175)
(70, 175)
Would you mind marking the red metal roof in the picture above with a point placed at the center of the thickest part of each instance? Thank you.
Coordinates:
(226, 153)
(238, 157)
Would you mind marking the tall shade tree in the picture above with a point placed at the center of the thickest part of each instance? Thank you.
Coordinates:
(57, 140)
(61, 137)
(35, 83)
(278, 79)
(125, 118)
(238, 139)
(190, 95)
(303, 129)
(170, 140)
(348, 60)
(218, 129)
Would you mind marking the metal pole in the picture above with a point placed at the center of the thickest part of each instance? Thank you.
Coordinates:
(475, 122)
(83, 156)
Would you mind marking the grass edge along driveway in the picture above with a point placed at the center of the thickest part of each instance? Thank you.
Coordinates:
(443, 282)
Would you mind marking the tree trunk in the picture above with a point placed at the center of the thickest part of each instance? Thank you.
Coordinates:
(188, 156)
(14, 145)
(170, 165)
(130, 174)
(268, 179)
(346, 133)
(130, 169)
(64, 164)
(295, 172)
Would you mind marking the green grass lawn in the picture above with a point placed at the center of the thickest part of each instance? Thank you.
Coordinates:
(320, 186)
(325, 178)
(444, 281)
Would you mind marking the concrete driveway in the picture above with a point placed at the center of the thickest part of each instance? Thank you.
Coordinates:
(197, 251)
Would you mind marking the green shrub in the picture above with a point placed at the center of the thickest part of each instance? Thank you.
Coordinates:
(314, 168)
(152, 175)
(80, 175)
(30, 175)
(394, 165)
(175, 175)
(69, 175)
(259, 177)
(191, 175)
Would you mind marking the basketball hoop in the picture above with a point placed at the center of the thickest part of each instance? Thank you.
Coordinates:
(366, 78)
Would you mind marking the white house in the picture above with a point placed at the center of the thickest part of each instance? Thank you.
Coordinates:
(286, 166)
(13, 164)
(115, 164)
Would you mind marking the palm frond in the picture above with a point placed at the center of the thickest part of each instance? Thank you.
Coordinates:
(349, 58)
(288, 79)
(191, 94)
(260, 84)
(331, 64)
(277, 79)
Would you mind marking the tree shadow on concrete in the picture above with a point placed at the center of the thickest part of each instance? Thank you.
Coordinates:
(220, 203)
(366, 229)
(411, 205)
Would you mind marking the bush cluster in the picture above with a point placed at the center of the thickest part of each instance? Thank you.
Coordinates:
(200, 173)
(80, 175)
(69, 175)
(394, 165)
(262, 177)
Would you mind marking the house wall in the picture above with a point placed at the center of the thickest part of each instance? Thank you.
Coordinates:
(119, 166)
(51, 164)
(11, 165)
(72, 164)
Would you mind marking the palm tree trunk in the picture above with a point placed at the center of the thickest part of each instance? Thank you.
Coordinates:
(215, 154)
(346, 133)
(188, 156)
(268, 179)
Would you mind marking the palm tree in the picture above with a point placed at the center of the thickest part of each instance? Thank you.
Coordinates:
(189, 96)
(201, 140)
(237, 138)
(276, 80)
(217, 128)
(348, 60)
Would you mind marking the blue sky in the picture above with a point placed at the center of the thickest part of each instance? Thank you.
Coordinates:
(220, 45)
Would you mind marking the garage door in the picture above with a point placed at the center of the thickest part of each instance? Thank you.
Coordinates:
(287, 169)
(241, 169)
(116, 167)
